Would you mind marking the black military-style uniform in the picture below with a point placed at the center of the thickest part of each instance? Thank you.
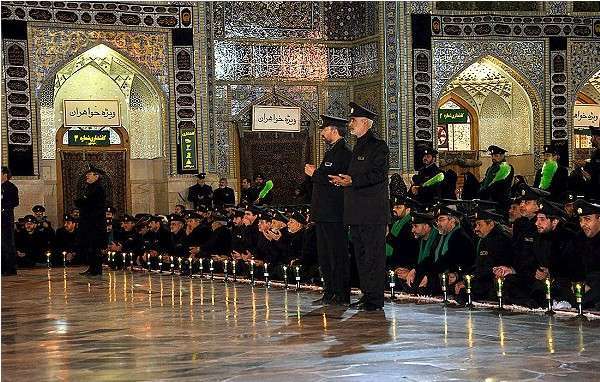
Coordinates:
(92, 224)
(402, 249)
(367, 212)
(200, 195)
(176, 243)
(498, 191)
(10, 200)
(428, 194)
(222, 196)
(491, 251)
(218, 244)
(558, 185)
(327, 209)
(593, 168)
(457, 255)
(33, 245)
(589, 250)
(65, 241)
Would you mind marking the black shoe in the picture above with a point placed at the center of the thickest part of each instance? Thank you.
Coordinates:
(367, 307)
(323, 301)
(358, 303)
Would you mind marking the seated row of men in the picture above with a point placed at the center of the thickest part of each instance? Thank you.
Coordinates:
(470, 244)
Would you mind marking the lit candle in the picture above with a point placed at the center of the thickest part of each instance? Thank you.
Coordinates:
(172, 265)
(285, 276)
(469, 301)
(64, 258)
(131, 259)
(548, 284)
(392, 283)
(297, 277)
(266, 274)
(190, 261)
(252, 271)
(234, 270)
(444, 287)
(148, 260)
(48, 259)
(201, 267)
(211, 269)
(578, 298)
(225, 263)
(179, 260)
(499, 293)
(160, 263)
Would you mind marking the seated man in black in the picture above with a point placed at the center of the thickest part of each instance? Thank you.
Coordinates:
(423, 230)
(126, 239)
(65, 242)
(589, 250)
(31, 245)
(301, 248)
(218, 247)
(492, 250)
(401, 246)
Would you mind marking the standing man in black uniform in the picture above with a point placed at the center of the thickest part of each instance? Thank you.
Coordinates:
(498, 179)
(328, 212)
(367, 206)
(223, 195)
(427, 184)
(200, 194)
(92, 223)
(552, 177)
(10, 200)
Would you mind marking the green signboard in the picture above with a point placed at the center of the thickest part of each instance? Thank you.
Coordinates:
(89, 138)
(452, 116)
(188, 149)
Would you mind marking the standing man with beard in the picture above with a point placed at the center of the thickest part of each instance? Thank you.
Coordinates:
(327, 207)
(427, 184)
(367, 205)
(10, 200)
(92, 223)
(498, 179)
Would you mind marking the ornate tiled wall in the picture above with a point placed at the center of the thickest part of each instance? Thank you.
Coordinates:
(18, 107)
(558, 95)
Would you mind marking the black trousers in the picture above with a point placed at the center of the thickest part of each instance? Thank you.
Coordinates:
(369, 251)
(334, 260)
(9, 251)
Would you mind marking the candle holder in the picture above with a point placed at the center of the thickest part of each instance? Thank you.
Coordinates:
(297, 269)
(172, 265)
(124, 255)
(321, 277)
(211, 269)
(444, 280)
(48, 258)
(392, 283)
(500, 283)
(548, 284)
(233, 270)
(160, 263)
(225, 270)
(578, 299)
(469, 298)
(252, 272)
(201, 267)
(191, 262)
(131, 260)
(266, 274)
(64, 259)
(148, 261)
(179, 260)
(285, 276)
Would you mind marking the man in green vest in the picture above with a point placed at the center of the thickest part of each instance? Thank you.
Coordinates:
(498, 179)
(401, 246)
(552, 177)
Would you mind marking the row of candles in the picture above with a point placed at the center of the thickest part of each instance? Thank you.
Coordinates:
(577, 287)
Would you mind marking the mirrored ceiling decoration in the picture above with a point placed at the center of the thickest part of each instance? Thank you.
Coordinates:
(267, 19)
(349, 20)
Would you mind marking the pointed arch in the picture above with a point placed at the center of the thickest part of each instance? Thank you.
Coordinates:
(452, 96)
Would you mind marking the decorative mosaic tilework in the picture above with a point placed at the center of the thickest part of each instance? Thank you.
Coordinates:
(584, 61)
(337, 102)
(369, 96)
(100, 13)
(365, 59)
(422, 95)
(267, 20)
(18, 105)
(558, 95)
(451, 57)
(349, 20)
(391, 78)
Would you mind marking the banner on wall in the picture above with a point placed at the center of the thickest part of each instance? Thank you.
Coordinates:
(275, 118)
(446, 116)
(89, 138)
(585, 116)
(189, 157)
(78, 113)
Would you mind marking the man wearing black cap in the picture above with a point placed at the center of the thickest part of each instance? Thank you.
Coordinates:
(223, 194)
(589, 249)
(328, 212)
(586, 179)
(492, 250)
(366, 205)
(177, 233)
(10, 200)
(552, 177)
(66, 241)
(423, 230)
(498, 178)
(92, 223)
(30, 244)
(427, 184)
(401, 246)
(200, 194)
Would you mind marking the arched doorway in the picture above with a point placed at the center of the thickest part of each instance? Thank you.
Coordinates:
(112, 159)
(497, 99)
(279, 156)
(587, 100)
(138, 147)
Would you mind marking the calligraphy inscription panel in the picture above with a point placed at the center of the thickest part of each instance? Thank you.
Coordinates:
(275, 118)
(585, 116)
(91, 113)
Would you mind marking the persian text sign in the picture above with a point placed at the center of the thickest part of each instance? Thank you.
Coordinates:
(188, 149)
(586, 116)
(91, 113)
(452, 116)
(89, 138)
(275, 118)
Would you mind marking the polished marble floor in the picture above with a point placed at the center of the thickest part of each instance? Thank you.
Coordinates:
(123, 326)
